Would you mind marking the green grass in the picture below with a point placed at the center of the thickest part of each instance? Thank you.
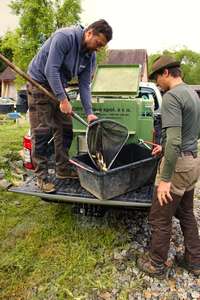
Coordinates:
(46, 252)
(11, 135)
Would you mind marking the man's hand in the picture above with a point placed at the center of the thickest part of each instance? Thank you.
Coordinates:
(65, 106)
(157, 150)
(91, 118)
(163, 192)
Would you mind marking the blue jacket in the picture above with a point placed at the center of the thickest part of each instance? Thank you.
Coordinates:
(60, 59)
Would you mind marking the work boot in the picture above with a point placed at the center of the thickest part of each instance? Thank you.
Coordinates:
(45, 186)
(182, 263)
(153, 269)
(69, 172)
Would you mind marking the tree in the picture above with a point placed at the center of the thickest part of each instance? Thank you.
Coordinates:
(38, 19)
(190, 63)
(102, 55)
(67, 13)
(6, 51)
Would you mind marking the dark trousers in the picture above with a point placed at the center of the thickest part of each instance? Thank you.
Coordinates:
(160, 219)
(46, 120)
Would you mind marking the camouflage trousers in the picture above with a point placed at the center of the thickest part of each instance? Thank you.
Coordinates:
(182, 191)
(46, 120)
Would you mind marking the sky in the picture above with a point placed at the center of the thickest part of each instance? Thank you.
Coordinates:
(8, 21)
(154, 25)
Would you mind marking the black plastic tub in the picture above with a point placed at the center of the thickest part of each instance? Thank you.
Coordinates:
(133, 168)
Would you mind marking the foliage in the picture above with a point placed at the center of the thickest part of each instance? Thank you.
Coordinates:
(101, 55)
(190, 63)
(38, 19)
(67, 13)
(6, 51)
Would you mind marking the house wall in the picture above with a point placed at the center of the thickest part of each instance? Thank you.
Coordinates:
(8, 89)
(145, 73)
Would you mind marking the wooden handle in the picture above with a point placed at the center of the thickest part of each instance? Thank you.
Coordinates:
(36, 84)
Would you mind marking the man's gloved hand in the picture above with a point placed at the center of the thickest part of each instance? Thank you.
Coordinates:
(65, 106)
(157, 150)
(91, 118)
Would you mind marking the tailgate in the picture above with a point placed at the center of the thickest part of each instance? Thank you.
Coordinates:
(70, 190)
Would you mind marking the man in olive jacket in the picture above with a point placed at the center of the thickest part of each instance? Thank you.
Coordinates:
(178, 171)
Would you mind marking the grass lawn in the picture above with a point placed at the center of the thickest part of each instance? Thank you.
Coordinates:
(47, 252)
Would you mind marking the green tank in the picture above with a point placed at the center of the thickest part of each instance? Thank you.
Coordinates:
(115, 90)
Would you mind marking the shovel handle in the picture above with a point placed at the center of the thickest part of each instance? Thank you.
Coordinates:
(27, 77)
(78, 118)
(36, 84)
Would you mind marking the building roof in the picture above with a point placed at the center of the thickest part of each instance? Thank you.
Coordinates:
(8, 74)
(127, 56)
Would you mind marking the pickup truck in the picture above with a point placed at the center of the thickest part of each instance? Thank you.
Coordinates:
(70, 190)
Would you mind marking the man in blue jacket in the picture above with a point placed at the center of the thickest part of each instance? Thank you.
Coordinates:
(67, 54)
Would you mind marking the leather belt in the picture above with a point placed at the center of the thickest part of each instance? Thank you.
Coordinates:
(189, 153)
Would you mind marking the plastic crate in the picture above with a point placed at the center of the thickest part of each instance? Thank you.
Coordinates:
(6, 108)
(133, 168)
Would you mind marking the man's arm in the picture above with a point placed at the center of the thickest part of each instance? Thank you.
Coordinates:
(171, 111)
(171, 152)
(60, 45)
(85, 90)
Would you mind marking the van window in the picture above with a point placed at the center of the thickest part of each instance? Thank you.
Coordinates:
(198, 92)
(147, 93)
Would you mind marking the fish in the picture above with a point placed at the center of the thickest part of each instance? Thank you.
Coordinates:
(98, 157)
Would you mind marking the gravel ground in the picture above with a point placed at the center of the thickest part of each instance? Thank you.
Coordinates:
(178, 284)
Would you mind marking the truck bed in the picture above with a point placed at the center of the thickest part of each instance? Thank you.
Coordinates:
(70, 190)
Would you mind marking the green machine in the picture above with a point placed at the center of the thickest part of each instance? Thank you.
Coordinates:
(115, 96)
